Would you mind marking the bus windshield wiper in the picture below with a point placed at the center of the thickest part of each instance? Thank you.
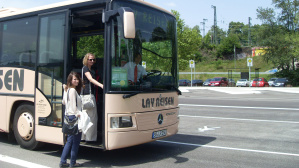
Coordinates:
(130, 95)
(155, 53)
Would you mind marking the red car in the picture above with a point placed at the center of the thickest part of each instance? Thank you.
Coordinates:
(218, 81)
(260, 82)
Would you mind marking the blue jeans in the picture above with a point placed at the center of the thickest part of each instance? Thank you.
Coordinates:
(72, 144)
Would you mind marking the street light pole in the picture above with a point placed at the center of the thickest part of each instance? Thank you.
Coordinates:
(249, 32)
(215, 24)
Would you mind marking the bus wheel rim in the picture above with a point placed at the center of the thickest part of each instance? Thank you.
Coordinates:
(25, 126)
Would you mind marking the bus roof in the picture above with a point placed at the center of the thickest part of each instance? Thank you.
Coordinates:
(7, 12)
(154, 6)
(59, 4)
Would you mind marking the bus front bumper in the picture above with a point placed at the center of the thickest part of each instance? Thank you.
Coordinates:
(117, 140)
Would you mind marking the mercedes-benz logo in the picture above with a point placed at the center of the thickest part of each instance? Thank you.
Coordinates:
(160, 119)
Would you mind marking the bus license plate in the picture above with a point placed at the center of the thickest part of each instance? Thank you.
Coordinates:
(158, 134)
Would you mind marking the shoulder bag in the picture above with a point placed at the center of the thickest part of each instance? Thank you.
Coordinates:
(70, 127)
(87, 101)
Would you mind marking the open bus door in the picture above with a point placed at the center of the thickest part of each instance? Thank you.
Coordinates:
(50, 75)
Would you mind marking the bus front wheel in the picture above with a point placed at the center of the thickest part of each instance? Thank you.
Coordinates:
(23, 126)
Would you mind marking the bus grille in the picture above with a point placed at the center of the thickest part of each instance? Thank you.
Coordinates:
(149, 120)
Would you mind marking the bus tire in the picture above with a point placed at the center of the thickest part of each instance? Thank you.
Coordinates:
(24, 125)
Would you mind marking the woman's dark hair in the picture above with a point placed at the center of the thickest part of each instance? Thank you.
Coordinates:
(69, 81)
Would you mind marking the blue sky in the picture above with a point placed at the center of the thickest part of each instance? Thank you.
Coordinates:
(192, 11)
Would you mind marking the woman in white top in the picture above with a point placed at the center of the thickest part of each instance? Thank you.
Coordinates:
(89, 82)
(73, 105)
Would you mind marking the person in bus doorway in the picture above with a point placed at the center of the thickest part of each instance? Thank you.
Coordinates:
(89, 81)
(135, 70)
(73, 106)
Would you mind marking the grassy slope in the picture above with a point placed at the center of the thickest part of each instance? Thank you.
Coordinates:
(225, 65)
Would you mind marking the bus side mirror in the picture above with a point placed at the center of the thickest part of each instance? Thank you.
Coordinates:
(127, 17)
(129, 25)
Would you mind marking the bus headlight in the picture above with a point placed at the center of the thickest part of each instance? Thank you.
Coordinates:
(121, 122)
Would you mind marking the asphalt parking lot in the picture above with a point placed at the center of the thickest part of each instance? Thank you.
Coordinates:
(251, 127)
(242, 90)
(219, 127)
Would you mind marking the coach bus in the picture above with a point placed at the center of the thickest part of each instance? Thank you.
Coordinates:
(40, 46)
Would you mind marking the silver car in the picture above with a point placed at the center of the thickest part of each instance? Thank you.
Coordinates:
(271, 81)
(243, 82)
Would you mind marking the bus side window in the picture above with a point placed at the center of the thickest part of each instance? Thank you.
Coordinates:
(4, 59)
(24, 57)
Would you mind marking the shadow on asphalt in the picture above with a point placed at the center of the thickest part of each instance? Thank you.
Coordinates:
(145, 153)
(4, 137)
(131, 156)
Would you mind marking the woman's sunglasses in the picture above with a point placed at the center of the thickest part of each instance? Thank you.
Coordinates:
(91, 59)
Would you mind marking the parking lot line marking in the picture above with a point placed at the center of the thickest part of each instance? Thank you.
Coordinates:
(20, 162)
(229, 148)
(242, 107)
(241, 119)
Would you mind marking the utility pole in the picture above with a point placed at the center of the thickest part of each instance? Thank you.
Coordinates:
(249, 32)
(203, 25)
(215, 24)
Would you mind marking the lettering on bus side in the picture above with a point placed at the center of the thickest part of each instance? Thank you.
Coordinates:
(157, 102)
(12, 80)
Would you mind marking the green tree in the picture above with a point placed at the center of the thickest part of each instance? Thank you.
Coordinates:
(279, 37)
(221, 34)
(235, 28)
(226, 47)
(277, 53)
(241, 31)
(91, 44)
(189, 41)
(207, 40)
(266, 15)
(255, 35)
(289, 9)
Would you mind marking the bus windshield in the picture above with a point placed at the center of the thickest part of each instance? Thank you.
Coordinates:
(153, 50)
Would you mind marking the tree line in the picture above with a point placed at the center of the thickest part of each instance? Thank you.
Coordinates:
(278, 34)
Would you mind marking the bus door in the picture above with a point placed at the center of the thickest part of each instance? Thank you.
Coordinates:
(50, 75)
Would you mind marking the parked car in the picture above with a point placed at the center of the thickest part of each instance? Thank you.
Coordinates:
(218, 81)
(260, 82)
(196, 82)
(280, 82)
(231, 83)
(206, 82)
(271, 81)
(243, 82)
(184, 82)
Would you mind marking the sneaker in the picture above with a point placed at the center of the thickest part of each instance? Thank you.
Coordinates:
(77, 165)
(64, 165)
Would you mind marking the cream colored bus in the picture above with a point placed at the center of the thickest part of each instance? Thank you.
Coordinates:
(40, 46)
